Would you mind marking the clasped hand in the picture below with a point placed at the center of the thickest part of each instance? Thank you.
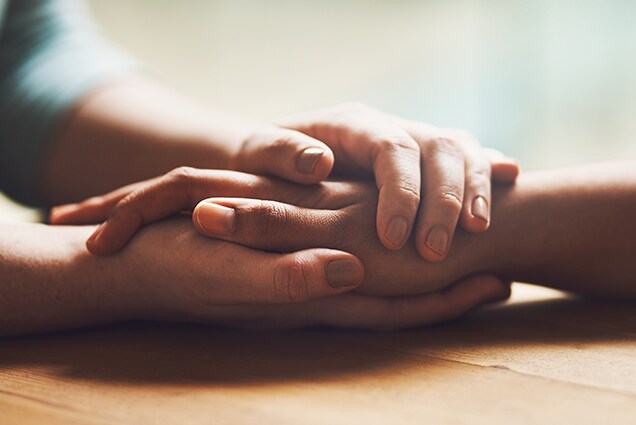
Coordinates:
(305, 247)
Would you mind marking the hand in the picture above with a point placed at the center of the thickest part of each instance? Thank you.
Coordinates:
(175, 265)
(442, 172)
(336, 215)
(125, 210)
(194, 278)
(456, 175)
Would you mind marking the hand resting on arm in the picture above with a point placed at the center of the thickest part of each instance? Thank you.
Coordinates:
(569, 228)
(136, 129)
(171, 272)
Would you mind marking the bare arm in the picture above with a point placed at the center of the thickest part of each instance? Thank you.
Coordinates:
(46, 282)
(171, 273)
(572, 229)
(133, 130)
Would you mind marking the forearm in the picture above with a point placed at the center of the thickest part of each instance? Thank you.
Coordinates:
(131, 131)
(49, 281)
(572, 229)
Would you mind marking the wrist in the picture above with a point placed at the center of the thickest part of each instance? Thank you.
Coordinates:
(505, 247)
(49, 281)
(114, 295)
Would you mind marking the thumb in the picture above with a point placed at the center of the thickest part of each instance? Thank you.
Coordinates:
(288, 278)
(287, 154)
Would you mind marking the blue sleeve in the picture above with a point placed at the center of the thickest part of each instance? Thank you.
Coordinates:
(51, 56)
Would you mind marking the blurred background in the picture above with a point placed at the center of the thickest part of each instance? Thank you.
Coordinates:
(550, 82)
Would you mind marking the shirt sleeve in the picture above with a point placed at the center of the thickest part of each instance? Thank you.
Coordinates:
(51, 56)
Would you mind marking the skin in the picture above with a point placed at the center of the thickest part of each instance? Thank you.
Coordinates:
(138, 129)
(549, 228)
(570, 229)
(170, 272)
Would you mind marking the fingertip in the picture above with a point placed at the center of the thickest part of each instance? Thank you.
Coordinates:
(307, 160)
(344, 272)
(325, 164)
(62, 213)
(94, 242)
(106, 239)
(396, 214)
(313, 164)
(474, 225)
(502, 293)
(475, 217)
(434, 244)
(212, 219)
(506, 171)
(428, 254)
(316, 273)
(196, 219)
(490, 288)
(394, 232)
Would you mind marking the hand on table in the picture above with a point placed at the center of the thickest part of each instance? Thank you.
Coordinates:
(176, 274)
(334, 215)
(198, 278)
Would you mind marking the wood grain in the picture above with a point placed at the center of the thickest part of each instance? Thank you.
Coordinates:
(542, 358)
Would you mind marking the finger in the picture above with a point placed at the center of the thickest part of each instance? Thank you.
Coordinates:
(283, 278)
(504, 169)
(92, 210)
(286, 153)
(443, 196)
(396, 165)
(475, 215)
(264, 224)
(179, 190)
(359, 311)
(366, 139)
(407, 312)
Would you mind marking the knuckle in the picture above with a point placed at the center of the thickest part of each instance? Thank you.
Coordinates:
(445, 146)
(279, 143)
(94, 202)
(268, 218)
(409, 191)
(397, 144)
(478, 177)
(451, 201)
(128, 209)
(479, 172)
(290, 282)
(181, 176)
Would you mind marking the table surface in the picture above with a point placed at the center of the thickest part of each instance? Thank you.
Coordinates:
(541, 358)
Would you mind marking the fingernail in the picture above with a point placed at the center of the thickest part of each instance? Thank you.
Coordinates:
(397, 229)
(308, 159)
(215, 219)
(437, 239)
(96, 234)
(480, 208)
(341, 273)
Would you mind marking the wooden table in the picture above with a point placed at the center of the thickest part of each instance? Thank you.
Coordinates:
(542, 358)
